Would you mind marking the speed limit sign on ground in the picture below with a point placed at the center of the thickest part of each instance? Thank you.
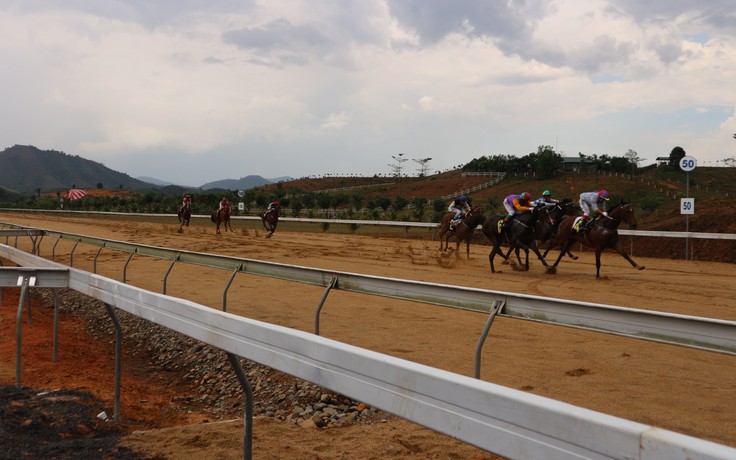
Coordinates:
(687, 205)
(687, 164)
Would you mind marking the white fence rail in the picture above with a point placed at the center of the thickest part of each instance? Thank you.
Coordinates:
(508, 422)
(377, 223)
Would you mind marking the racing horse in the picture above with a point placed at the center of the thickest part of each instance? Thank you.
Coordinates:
(545, 228)
(603, 234)
(185, 214)
(463, 230)
(270, 220)
(549, 220)
(519, 235)
(222, 217)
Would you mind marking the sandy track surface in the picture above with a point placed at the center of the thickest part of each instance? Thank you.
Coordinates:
(672, 387)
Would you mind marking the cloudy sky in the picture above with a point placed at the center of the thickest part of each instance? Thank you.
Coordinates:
(192, 91)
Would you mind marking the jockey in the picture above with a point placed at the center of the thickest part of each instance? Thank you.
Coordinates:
(271, 206)
(223, 204)
(516, 204)
(592, 202)
(186, 202)
(460, 207)
(545, 200)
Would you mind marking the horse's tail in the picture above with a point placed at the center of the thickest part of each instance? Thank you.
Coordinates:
(213, 216)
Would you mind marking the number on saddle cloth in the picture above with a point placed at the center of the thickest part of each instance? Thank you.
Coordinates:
(578, 225)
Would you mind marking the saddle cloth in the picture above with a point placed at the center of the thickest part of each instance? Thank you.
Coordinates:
(577, 224)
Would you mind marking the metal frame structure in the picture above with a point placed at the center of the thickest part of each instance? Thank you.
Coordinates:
(508, 422)
(698, 332)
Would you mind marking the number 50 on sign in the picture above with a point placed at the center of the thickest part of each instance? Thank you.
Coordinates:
(687, 205)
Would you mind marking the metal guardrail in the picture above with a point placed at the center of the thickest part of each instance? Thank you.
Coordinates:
(698, 332)
(506, 421)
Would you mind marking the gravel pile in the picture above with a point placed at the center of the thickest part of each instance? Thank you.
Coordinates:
(214, 385)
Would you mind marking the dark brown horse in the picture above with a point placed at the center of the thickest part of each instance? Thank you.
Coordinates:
(222, 217)
(463, 230)
(519, 235)
(550, 217)
(603, 234)
(271, 220)
(185, 214)
(545, 229)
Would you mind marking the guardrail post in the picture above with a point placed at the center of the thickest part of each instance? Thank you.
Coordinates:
(248, 416)
(333, 283)
(229, 282)
(125, 267)
(173, 261)
(71, 254)
(495, 308)
(53, 250)
(118, 358)
(24, 281)
(94, 262)
(33, 243)
(54, 353)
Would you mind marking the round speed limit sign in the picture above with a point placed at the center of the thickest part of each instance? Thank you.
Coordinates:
(687, 164)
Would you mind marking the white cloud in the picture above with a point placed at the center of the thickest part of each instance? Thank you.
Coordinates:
(300, 87)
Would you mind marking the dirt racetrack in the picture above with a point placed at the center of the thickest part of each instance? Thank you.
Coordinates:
(680, 389)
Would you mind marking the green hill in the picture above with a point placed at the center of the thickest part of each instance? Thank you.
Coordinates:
(25, 168)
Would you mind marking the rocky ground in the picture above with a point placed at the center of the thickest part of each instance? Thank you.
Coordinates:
(216, 389)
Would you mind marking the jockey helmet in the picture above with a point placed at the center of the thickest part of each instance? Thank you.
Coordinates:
(603, 194)
(463, 198)
(546, 193)
(525, 196)
(275, 203)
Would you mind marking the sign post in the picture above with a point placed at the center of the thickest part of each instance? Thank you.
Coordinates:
(687, 205)
(241, 205)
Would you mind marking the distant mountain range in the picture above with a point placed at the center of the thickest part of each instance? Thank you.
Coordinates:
(243, 183)
(25, 168)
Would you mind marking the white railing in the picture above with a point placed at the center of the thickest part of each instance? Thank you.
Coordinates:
(377, 223)
(508, 422)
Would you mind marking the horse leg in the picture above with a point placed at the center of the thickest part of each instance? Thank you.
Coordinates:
(598, 262)
(563, 251)
(533, 247)
(518, 255)
(547, 249)
(626, 256)
(492, 255)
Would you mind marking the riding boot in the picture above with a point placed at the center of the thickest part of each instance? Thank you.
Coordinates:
(585, 228)
(504, 227)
